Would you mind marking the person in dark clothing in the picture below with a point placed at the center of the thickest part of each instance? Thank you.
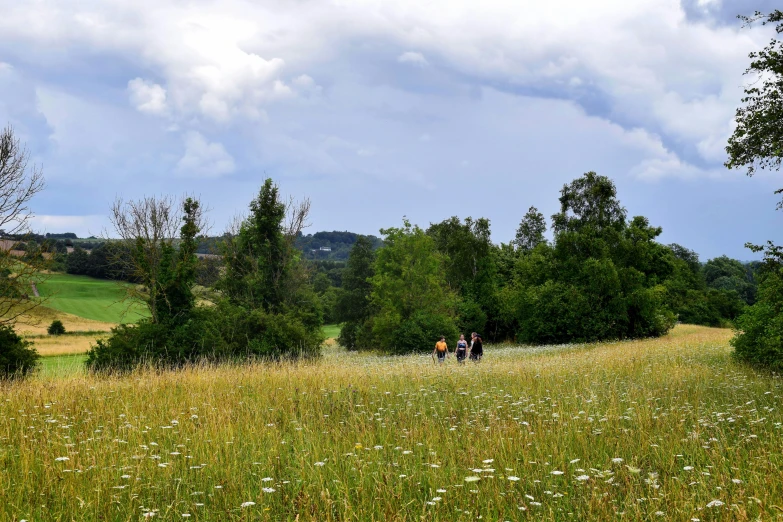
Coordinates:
(476, 347)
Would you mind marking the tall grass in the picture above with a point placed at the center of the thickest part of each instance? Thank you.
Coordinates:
(666, 429)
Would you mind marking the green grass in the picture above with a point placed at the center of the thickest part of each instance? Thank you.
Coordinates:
(62, 365)
(331, 331)
(90, 298)
(660, 429)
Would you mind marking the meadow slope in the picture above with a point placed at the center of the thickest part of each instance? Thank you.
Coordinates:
(662, 429)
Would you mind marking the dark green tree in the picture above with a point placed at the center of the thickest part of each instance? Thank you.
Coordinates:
(600, 279)
(354, 307)
(17, 357)
(412, 303)
(259, 258)
(759, 338)
(531, 230)
(757, 141)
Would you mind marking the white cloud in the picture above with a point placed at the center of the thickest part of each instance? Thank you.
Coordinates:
(204, 159)
(147, 96)
(413, 58)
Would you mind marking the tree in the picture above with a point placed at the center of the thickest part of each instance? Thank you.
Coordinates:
(354, 307)
(531, 230)
(589, 202)
(263, 268)
(17, 356)
(147, 229)
(600, 279)
(19, 183)
(757, 141)
(759, 338)
(412, 303)
(470, 270)
(56, 328)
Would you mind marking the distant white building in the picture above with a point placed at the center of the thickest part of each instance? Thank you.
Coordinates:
(325, 249)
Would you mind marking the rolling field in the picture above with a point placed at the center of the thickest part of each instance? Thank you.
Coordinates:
(95, 299)
(663, 429)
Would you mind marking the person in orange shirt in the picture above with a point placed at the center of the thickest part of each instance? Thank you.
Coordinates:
(441, 350)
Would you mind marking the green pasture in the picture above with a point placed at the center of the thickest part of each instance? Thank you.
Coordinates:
(84, 296)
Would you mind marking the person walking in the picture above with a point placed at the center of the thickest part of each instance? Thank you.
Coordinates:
(441, 350)
(476, 347)
(462, 349)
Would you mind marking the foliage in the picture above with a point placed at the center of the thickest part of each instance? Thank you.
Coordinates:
(531, 230)
(412, 303)
(17, 358)
(757, 141)
(56, 328)
(220, 333)
(759, 338)
(354, 306)
(470, 268)
(600, 279)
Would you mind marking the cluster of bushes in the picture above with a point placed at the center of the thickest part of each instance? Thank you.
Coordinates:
(266, 307)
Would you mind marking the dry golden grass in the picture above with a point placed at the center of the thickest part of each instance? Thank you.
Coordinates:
(661, 429)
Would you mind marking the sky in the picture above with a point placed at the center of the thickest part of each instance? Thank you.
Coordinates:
(376, 110)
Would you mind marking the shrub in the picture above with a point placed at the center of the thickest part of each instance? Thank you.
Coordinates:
(17, 358)
(224, 332)
(56, 328)
(759, 338)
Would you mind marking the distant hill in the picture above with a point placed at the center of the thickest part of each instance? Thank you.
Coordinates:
(331, 246)
(334, 246)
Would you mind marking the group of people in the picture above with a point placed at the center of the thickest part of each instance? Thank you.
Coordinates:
(462, 351)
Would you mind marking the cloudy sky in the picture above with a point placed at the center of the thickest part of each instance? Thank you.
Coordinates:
(378, 110)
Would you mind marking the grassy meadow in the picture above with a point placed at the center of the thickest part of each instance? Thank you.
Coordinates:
(89, 298)
(662, 429)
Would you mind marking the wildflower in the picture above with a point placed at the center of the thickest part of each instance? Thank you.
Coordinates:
(631, 469)
(736, 481)
(488, 461)
(513, 478)
(617, 460)
(61, 459)
(714, 503)
(248, 504)
(583, 478)
(440, 491)
(688, 468)
(185, 515)
(436, 499)
(472, 479)
(557, 472)
(268, 490)
(407, 452)
(575, 461)
(267, 479)
(319, 464)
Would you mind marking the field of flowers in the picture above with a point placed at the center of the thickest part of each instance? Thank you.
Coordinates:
(664, 429)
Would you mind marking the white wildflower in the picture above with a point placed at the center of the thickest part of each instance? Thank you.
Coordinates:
(248, 504)
(714, 503)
